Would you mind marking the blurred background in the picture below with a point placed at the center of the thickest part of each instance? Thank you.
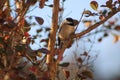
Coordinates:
(105, 54)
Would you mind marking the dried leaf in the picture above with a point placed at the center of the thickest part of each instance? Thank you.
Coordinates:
(117, 28)
(87, 73)
(109, 4)
(44, 40)
(26, 34)
(101, 17)
(32, 41)
(100, 39)
(39, 54)
(105, 34)
(87, 12)
(66, 73)
(85, 53)
(65, 64)
(33, 2)
(94, 5)
(43, 50)
(39, 30)
(79, 60)
(42, 3)
(116, 38)
(6, 37)
(39, 20)
(87, 23)
(47, 29)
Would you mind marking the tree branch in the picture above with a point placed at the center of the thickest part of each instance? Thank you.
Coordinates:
(83, 33)
(95, 25)
(52, 64)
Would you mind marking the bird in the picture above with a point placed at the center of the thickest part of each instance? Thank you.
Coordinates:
(67, 28)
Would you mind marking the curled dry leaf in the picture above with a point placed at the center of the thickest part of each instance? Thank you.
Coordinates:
(116, 38)
(85, 53)
(66, 73)
(39, 30)
(44, 40)
(109, 4)
(117, 28)
(39, 20)
(87, 23)
(101, 17)
(87, 74)
(79, 60)
(42, 3)
(100, 39)
(39, 54)
(43, 50)
(94, 5)
(105, 35)
(87, 12)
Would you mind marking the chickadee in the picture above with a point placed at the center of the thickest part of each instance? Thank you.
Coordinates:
(67, 28)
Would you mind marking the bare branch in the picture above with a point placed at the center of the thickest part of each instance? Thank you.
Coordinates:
(80, 20)
(94, 26)
(83, 33)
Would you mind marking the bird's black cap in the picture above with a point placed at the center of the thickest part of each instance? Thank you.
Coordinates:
(69, 19)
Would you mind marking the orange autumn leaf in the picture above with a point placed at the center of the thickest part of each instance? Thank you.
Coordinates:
(94, 5)
(116, 38)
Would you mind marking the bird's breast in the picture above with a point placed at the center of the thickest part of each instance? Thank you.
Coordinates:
(65, 32)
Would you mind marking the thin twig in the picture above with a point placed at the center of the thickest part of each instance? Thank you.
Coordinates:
(80, 20)
(95, 25)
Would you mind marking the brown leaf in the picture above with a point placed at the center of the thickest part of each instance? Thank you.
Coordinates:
(85, 53)
(47, 29)
(33, 2)
(105, 34)
(109, 4)
(87, 12)
(32, 41)
(42, 3)
(43, 50)
(39, 20)
(88, 23)
(101, 17)
(87, 74)
(39, 54)
(79, 60)
(116, 38)
(39, 30)
(44, 40)
(94, 5)
(66, 73)
(117, 28)
(100, 39)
